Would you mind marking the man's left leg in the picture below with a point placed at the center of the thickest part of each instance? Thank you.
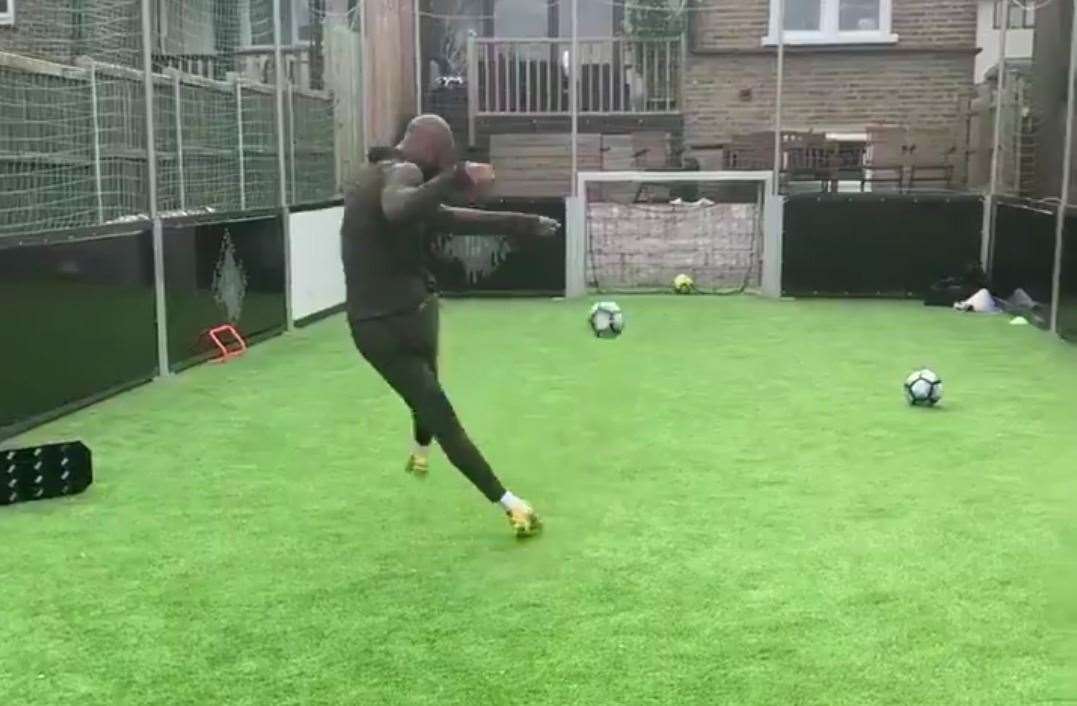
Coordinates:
(419, 460)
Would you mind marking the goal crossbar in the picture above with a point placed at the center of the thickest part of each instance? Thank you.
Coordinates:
(576, 220)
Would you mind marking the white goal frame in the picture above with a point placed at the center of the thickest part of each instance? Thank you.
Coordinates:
(576, 221)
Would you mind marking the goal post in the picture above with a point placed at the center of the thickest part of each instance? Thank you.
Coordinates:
(728, 235)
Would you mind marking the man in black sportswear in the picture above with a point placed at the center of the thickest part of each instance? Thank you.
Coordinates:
(396, 204)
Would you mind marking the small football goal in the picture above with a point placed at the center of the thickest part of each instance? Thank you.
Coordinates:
(636, 231)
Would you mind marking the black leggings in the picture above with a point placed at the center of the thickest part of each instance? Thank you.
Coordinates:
(403, 348)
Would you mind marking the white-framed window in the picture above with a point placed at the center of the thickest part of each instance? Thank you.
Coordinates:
(833, 22)
(7, 12)
(256, 18)
(1022, 14)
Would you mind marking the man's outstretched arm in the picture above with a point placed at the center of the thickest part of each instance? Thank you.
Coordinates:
(472, 221)
(406, 197)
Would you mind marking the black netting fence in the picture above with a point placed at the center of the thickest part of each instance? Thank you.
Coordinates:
(1022, 273)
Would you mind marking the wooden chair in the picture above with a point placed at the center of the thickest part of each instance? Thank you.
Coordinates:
(929, 158)
(884, 162)
(749, 152)
(807, 161)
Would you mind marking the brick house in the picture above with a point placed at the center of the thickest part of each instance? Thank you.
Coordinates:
(855, 69)
(849, 64)
(58, 30)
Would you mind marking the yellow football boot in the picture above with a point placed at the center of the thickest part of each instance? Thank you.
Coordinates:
(524, 521)
(418, 466)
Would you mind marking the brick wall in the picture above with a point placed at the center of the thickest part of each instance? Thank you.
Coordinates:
(917, 82)
(922, 23)
(741, 24)
(49, 29)
(730, 24)
(37, 31)
(823, 90)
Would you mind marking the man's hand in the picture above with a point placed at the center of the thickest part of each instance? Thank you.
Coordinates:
(480, 180)
(481, 175)
(546, 227)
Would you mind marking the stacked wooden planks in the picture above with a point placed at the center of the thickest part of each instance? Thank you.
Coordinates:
(540, 166)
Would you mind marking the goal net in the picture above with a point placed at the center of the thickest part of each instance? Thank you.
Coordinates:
(637, 231)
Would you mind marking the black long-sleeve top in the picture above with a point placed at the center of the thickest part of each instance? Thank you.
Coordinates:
(390, 212)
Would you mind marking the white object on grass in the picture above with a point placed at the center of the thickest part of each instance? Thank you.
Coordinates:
(981, 302)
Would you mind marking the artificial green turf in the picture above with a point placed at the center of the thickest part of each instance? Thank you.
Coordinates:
(740, 509)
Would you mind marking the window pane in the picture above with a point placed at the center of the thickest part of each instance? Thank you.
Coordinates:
(286, 12)
(803, 15)
(1020, 17)
(521, 18)
(304, 26)
(261, 22)
(1017, 17)
(3, 6)
(859, 15)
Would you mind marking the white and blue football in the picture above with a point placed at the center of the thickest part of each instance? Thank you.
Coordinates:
(923, 388)
(607, 320)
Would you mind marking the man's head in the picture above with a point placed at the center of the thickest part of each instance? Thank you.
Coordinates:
(429, 144)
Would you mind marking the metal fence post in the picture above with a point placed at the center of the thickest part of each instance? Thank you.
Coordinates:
(1067, 171)
(574, 96)
(987, 246)
(364, 74)
(181, 174)
(240, 149)
(682, 98)
(164, 369)
(473, 87)
(282, 193)
(291, 141)
(98, 186)
(147, 82)
(418, 57)
(780, 86)
(779, 31)
(278, 63)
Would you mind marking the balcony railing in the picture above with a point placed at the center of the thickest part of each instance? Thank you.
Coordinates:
(617, 75)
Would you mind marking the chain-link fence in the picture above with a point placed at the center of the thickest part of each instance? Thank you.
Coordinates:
(73, 116)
